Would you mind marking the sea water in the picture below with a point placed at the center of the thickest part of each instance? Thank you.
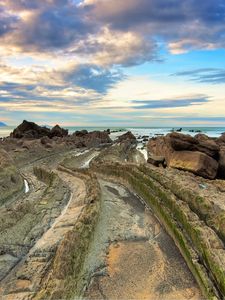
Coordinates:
(138, 131)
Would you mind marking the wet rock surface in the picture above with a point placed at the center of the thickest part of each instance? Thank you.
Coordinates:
(49, 246)
(25, 279)
(131, 257)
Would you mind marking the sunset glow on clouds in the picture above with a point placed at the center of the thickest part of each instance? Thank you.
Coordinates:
(113, 63)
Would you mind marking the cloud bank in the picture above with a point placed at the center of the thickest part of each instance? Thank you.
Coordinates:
(68, 54)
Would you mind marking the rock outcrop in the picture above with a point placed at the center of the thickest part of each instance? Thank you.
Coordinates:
(128, 136)
(199, 154)
(31, 130)
(58, 131)
(94, 138)
(84, 138)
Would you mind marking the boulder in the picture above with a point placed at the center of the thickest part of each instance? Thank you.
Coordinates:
(221, 139)
(196, 162)
(164, 146)
(194, 154)
(208, 147)
(80, 133)
(201, 137)
(180, 142)
(221, 168)
(128, 136)
(156, 160)
(160, 146)
(96, 138)
(58, 131)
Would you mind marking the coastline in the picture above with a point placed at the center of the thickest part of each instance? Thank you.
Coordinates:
(129, 206)
(137, 131)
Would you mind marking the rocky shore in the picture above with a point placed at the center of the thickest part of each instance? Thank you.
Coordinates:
(200, 154)
(95, 220)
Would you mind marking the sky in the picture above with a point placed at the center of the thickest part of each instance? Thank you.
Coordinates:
(142, 63)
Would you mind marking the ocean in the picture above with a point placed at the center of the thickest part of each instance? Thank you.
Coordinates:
(137, 131)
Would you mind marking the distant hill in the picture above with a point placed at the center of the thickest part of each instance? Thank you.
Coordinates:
(2, 124)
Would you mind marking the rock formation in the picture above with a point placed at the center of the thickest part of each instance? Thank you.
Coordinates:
(199, 154)
(84, 138)
(58, 131)
(128, 136)
(31, 130)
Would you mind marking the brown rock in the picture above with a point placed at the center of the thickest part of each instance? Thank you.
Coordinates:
(156, 160)
(95, 138)
(202, 143)
(180, 141)
(221, 169)
(128, 136)
(201, 137)
(196, 162)
(80, 133)
(58, 131)
(221, 139)
(165, 146)
(29, 130)
(160, 146)
(208, 147)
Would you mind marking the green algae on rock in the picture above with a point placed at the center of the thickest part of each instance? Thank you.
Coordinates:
(202, 249)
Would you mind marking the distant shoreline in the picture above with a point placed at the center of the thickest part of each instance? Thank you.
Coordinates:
(150, 131)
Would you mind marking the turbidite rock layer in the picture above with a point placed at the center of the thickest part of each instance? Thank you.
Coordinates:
(200, 155)
(10, 179)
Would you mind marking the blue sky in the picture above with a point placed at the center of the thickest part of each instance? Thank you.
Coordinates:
(113, 63)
